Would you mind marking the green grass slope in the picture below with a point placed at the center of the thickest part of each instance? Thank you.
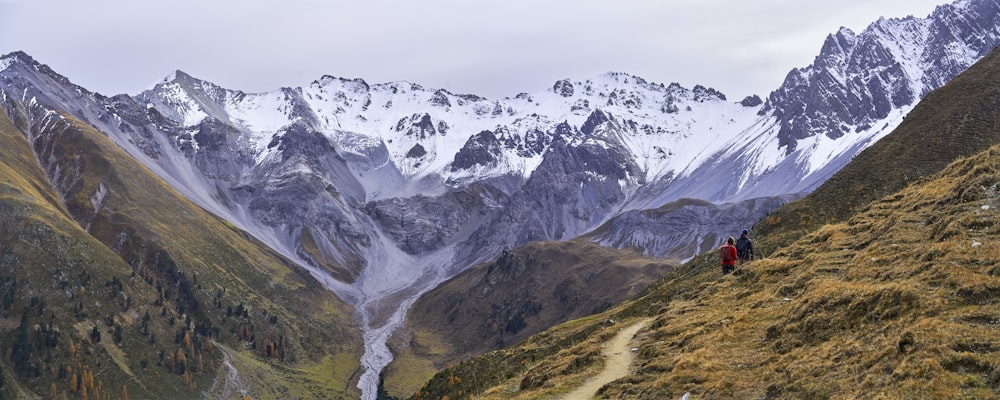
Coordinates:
(54, 284)
(118, 287)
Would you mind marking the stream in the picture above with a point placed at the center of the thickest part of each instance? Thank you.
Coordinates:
(391, 284)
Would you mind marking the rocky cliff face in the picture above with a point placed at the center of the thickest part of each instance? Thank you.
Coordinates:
(418, 169)
(699, 224)
(858, 79)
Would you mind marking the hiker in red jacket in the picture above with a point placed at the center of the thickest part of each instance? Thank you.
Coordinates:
(728, 252)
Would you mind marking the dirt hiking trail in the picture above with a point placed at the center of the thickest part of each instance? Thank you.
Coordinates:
(617, 361)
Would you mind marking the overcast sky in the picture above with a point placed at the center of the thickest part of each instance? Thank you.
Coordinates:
(490, 48)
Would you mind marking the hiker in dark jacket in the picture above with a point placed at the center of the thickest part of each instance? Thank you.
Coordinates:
(744, 247)
(728, 253)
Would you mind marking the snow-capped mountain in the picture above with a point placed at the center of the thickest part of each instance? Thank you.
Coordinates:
(858, 80)
(858, 89)
(455, 139)
(385, 190)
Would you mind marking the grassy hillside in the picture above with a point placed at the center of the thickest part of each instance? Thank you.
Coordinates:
(892, 299)
(117, 284)
(48, 269)
(899, 301)
(499, 303)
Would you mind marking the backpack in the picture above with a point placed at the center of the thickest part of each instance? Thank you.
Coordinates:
(727, 256)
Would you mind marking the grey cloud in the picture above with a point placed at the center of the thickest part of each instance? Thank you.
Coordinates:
(489, 48)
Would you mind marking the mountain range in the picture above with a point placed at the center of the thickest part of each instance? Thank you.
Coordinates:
(881, 283)
(380, 193)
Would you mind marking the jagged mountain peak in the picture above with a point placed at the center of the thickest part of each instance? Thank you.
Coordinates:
(194, 86)
(616, 85)
(190, 100)
(188, 82)
(434, 124)
(840, 42)
(38, 86)
(623, 79)
(187, 99)
(329, 79)
(16, 57)
(398, 86)
(858, 79)
(28, 68)
(178, 76)
(565, 87)
(26, 64)
(845, 32)
(395, 89)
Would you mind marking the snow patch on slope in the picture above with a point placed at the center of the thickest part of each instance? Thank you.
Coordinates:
(174, 97)
(261, 114)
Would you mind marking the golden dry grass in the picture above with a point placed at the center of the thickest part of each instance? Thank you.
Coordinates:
(899, 301)
(541, 284)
